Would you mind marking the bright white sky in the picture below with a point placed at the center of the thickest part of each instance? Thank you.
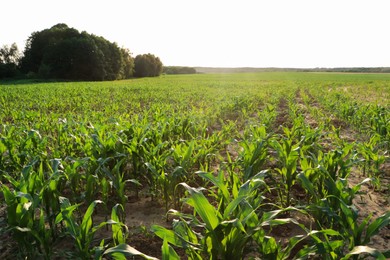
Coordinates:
(241, 33)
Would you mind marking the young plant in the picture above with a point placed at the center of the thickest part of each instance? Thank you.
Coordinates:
(288, 155)
(84, 232)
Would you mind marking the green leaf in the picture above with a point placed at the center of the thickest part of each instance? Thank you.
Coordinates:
(24, 195)
(279, 221)
(117, 232)
(188, 153)
(86, 224)
(357, 250)
(168, 253)
(8, 195)
(376, 225)
(167, 235)
(126, 250)
(307, 184)
(217, 182)
(233, 205)
(206, 211)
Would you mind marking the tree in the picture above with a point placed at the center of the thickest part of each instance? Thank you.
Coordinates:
(9, 54)
(111, 57)
(74, 58)
(41, 42)
(178, 70)
(63, 52)
(127, 69)
(147, 65)
(9, 60)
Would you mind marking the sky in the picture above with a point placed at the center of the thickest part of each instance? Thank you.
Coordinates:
(215, 33)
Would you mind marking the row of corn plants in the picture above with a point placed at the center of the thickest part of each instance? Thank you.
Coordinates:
(239, 220)
(371, 121)
(69, 151)
(58, 157)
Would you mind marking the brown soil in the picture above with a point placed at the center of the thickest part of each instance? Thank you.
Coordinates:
(145, 212)
(374, 202)
(282, 118)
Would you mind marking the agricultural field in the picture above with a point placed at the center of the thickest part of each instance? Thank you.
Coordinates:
(208, 166)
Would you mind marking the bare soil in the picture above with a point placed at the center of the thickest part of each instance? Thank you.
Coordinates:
(282, 117)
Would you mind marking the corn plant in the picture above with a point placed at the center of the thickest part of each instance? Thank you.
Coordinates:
(372, 156)
(288, 155)
(28, 228)
(225, 235)
(83, 232)
(352, 237)
(255, 153)
(359, 234)
(32, 203)
(116, 179)
(88, 141)
(119, 230)
(229, 228)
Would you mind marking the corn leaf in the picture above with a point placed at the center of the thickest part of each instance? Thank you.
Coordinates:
(206, 211)
(126, 250)
(358, 250)
(168, 253)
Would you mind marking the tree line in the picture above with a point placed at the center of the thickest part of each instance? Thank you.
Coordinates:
(65, 53)
(178, 70)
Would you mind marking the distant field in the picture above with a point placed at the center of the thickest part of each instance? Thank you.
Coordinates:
(291, 162)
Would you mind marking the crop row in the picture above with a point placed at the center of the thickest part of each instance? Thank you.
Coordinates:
(239, 152)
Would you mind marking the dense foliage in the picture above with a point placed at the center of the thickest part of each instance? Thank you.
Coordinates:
(178, 70)
(9, 60)
(266, 165)
(65, 53)
(147, 65)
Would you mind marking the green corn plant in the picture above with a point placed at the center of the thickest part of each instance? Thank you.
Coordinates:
(288, 155)
(360, 234)
(324, 244)
(183, 154)
(323, 186)
(119, 230)
(28, 228)
(229, 228)
(182, 235)
(136, 148)
(32, 204)
(373, 157)
(254, 156)
(117, 178)
(380, 121)
(158, 179)
(23, 149)
(75, 170)
(167, 183)
(9, 158)
(337, 162)
(82, 233)
(168, 252)
(352, 236)
(53, 185)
